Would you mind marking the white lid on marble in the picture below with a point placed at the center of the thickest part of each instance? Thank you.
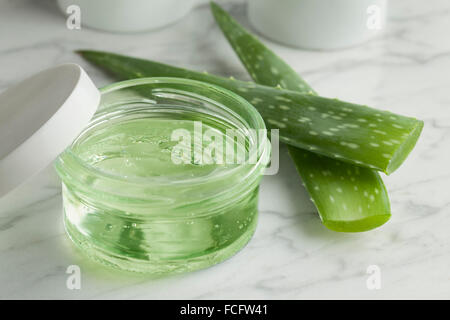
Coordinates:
(39, 118)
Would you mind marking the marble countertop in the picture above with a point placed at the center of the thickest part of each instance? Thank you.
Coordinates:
(292, 255)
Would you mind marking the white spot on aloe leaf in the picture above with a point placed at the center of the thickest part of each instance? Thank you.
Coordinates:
(313, 133)
(351, 145)
(326, 173)
(256, 100)
(283, 107)
(304, 119)
(281, 98)
(276, 123)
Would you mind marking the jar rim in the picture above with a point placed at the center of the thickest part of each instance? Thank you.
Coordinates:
(262, 156)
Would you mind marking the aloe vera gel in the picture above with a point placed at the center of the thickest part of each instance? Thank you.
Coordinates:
(142, 197)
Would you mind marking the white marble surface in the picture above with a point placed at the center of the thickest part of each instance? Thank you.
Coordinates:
(292, 256)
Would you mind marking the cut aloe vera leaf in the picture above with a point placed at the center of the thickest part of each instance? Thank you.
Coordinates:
(348, 198)
(349, 132)
(264, 66)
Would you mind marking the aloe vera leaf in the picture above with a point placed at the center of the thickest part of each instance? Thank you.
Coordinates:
(264, 66)
(347, 198)
(349, 132)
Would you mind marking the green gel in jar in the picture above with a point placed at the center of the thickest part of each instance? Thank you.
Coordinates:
(134, 203)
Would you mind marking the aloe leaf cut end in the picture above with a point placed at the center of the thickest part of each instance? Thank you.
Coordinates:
(405, 149)
(361, 225)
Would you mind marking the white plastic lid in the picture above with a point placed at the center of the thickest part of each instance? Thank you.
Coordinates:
(39, 118)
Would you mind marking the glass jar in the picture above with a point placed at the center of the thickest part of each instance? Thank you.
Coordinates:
(132, 202)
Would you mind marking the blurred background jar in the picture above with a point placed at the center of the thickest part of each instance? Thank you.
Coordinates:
(129, 15)
(318, 24)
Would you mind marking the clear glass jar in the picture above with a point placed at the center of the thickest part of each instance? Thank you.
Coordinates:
(128, 206)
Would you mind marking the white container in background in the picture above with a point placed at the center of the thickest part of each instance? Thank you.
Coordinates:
(129, 15)
(318, 24)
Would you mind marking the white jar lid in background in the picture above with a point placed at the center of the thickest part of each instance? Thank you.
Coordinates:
(318, 24)
(128, 15)
(39, 118)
